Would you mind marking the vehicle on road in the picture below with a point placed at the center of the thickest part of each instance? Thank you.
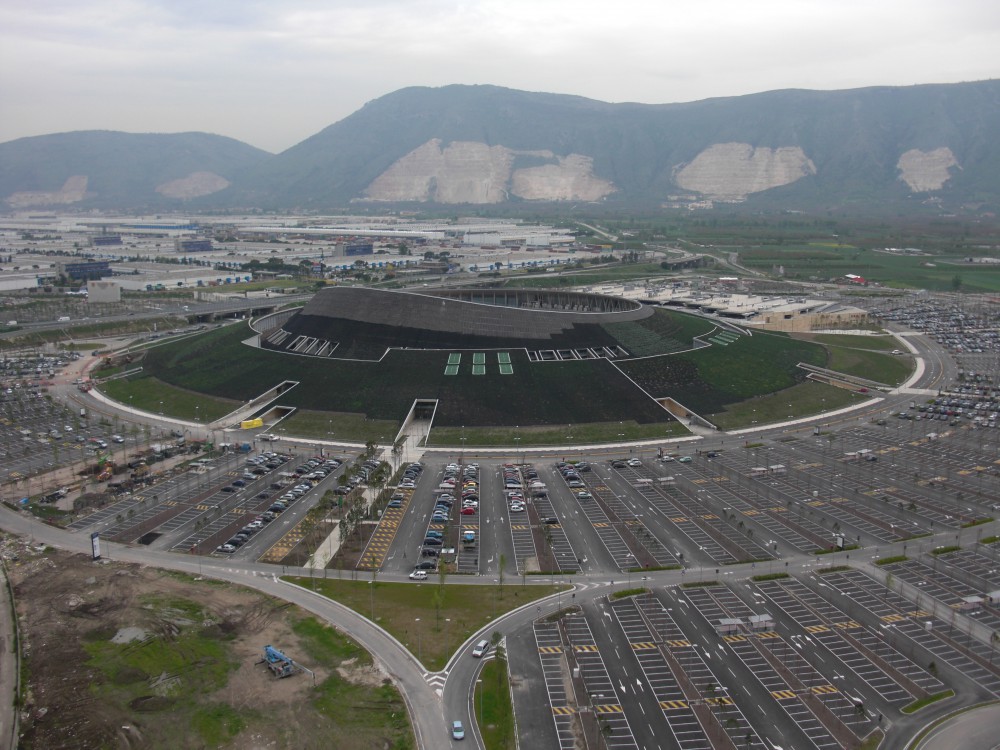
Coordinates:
(481, 648)
(457, 730)
(418, 575)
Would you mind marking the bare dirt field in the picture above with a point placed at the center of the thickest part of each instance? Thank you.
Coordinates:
(124, 656)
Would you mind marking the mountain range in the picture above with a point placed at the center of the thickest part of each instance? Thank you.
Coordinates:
(928, 147)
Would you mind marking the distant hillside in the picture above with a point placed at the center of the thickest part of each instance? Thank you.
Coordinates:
(928, 147)
(106, 169)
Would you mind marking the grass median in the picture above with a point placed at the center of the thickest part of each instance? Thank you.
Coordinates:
(430, 619)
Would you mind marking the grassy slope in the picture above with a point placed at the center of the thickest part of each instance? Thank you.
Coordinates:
(219, 364)
(882, 368)
(537, 395)
(709, 379)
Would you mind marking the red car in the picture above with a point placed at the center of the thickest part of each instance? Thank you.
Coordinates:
(468, 511)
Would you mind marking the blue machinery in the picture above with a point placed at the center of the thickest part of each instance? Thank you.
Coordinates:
(281, 665)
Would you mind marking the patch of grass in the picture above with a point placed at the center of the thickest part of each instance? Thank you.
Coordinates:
(174, 608)
(922, 702)
(882, 368)
(808, 398)
(706, 379)
(324, 645)
(884, 343)
(494, 711)
(359, 709)
(45, 512)
(570, 434)
(989, 539)
(217, 723)
(697, 584)
(977, 522)
(408, 611)
(891, 560)
(328, 425)
(835, 550)
(872, 741)
(770, 577)
(193, 665)
(147, 393)
(945, 550)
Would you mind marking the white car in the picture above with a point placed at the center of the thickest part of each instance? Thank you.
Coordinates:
(418, 575)
(517, 509)
(634, 462)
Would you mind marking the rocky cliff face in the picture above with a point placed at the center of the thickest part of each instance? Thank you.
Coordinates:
(193, 185)
(73, 190)
(469, 172)
(924, 171)
(732, 171)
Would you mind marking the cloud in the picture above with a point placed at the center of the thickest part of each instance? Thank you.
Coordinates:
(274, 73)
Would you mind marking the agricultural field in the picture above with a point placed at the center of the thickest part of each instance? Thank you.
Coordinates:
(121, 655)
(937, 272)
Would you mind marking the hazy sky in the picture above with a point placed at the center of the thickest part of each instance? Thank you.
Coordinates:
(272, 73)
